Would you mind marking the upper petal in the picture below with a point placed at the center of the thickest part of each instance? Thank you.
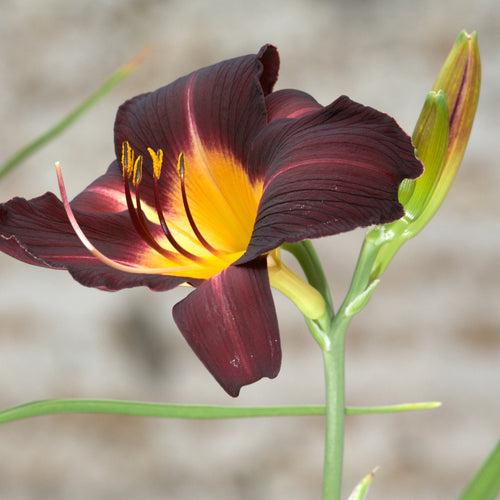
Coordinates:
(330, 171)
(230, 323)
(210, 116)
(218, 108)
(38, 232)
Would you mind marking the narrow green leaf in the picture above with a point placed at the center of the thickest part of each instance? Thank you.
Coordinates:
(26, 151)
(485, 485)
(198, 412)
(361, 489)
(143, 409)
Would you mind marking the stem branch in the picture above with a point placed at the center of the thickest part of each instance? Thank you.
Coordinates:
(180, 411)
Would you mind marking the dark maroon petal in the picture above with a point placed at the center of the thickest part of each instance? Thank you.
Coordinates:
(38, 232)
(328, 172)
(270, 59)
(290, 103)
(219, 108)
(230, 323)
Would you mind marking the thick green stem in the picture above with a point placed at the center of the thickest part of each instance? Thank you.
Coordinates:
(332, 343)
(333, 359)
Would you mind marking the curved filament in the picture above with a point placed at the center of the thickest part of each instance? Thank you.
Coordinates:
(89, 246)
(164, 226)
(192, 223)
(138, 221)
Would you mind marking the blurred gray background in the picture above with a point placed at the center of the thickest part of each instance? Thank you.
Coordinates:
(432, 331)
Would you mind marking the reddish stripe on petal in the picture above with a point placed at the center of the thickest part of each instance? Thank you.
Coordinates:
(230, 323)
(104, 195)
(290, 103)
(328, 172)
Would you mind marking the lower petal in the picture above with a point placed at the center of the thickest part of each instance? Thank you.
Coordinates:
(230, 323)
(38, 232)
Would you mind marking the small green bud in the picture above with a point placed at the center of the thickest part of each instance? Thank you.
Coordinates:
(361, 489)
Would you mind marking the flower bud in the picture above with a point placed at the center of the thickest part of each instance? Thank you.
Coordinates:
(440, 138)
(459, 79)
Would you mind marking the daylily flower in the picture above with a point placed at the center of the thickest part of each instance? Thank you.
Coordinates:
(213, 173)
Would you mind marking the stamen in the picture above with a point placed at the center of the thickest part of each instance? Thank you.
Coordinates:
(157, 160)
(139, 221)
(140, 224)
(88, 245)
(181, 170)
(128, 159)
(137, 173)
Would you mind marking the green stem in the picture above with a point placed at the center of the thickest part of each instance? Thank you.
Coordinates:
(201, 412)
(401, 408)
(332, 343)
(26, 151)
(361, 277)
(333, 361)
(159, 410)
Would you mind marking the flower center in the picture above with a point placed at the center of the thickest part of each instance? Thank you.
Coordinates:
(209, 218)
(199, 239)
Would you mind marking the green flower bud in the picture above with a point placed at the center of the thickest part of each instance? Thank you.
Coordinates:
(440, 138)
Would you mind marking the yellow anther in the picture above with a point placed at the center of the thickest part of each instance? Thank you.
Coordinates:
(180, 165)
(137, 174)
(157, 159)
(123, 162)
(128, 159)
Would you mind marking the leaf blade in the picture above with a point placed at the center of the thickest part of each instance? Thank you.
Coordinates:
(485, 485)
(32, 147)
